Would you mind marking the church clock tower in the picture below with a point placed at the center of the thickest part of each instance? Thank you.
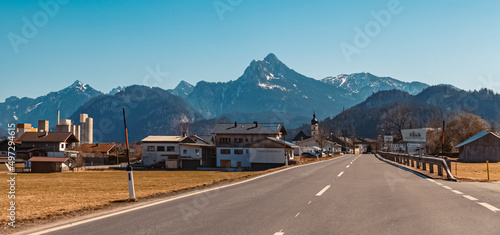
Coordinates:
(314, 126)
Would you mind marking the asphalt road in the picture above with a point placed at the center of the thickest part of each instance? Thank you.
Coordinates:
(354, 194)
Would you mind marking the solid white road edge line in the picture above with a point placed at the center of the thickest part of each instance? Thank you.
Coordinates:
(57, 228)
(446, 187)
(323, 190)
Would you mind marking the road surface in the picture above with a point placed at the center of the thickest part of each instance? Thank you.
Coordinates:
(354, 194)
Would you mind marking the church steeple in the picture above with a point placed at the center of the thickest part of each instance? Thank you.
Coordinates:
(314, 125)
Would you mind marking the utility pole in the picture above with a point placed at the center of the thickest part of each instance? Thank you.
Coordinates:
(284, 144)
(442, 144)
(131, 190)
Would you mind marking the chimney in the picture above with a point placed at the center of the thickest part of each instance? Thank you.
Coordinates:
(256, 123)
(184, 134)
(58, 117)
(235, 124)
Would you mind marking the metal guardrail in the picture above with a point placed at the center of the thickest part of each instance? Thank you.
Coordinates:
(421, 162)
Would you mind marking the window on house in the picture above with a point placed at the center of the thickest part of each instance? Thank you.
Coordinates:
(225, 140)
(160, 148)
(238, 140)
(247, 151)
(225, 151)
(170, 148)
(62, 146)
(184, 151)
(150, 148)
(238, 151)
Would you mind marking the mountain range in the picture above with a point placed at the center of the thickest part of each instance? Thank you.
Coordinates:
(433, 103)
(267, 91)
(28, 110)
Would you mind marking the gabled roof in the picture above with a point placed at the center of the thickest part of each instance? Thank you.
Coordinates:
(301, 136)
(250, 128)
(101, 148)
(478, 136)
(48, 159)
(195, 137)
(167, 139)
(52, 137)
(280, 141)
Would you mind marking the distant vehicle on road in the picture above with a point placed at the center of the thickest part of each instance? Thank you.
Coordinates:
(309, 155)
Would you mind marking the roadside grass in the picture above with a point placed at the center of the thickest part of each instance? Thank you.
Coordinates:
(475, 171)
(44, 196)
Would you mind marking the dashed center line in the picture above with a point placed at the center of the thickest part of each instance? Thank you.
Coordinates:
(440, 184)
(347, 166)
(470, 197)
(279, 233)
(297, 215)
(341, 173)
(457, 192)
(490, 207)
(309, 202)
(446, 187)
(323, 190)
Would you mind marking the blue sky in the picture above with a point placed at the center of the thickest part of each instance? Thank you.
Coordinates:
(115, 43)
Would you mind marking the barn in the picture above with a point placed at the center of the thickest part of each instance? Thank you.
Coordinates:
(485, 146)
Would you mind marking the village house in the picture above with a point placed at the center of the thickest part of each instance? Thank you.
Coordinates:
(485, 146)
(49, 144)
(251, 145)
(98, 154)
(172, 152)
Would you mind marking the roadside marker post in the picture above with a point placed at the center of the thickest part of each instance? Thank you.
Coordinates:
(488, 169)
(131, 189)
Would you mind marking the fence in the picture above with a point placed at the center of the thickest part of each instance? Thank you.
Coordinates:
(421, 162)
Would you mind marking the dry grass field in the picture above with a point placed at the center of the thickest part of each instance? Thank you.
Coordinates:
(42, 196)
(475, 171)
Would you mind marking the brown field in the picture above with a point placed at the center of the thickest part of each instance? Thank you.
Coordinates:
(40, 196)
(475, 171)
(55, 195)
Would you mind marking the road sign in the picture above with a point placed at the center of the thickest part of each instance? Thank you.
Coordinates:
(414, 135)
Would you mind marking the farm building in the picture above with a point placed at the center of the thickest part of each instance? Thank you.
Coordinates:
(485, 146)
(49, 164)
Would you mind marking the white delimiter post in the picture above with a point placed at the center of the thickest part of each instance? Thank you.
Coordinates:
(131, 190)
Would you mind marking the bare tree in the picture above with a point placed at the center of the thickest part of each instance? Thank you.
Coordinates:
(397, 118)
(322, 138)
(463, 126)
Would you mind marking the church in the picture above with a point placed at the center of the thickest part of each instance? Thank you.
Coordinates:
(312, 143)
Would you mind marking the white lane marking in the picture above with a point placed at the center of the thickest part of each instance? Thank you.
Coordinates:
(347, 166)
(490, 207)
(431, 180)
(470, 197)
(309, 202)
(457, 192)
(279, 233)
(440, 184)
(297, 215)
(340, 174)
(323, 190)
(446, 187)
(76, 223)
